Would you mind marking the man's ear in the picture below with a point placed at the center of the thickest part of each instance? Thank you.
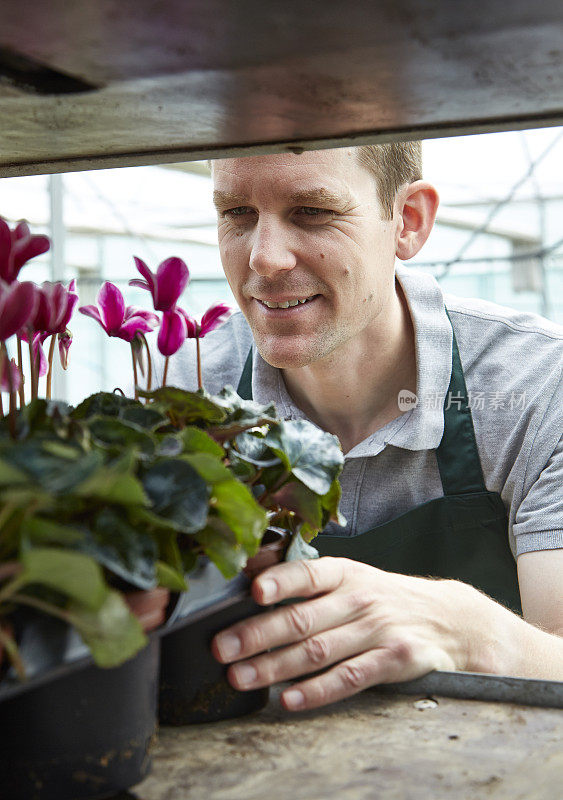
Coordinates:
(415, 209)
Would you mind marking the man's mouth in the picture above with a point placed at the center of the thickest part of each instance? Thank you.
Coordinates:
(287, 303)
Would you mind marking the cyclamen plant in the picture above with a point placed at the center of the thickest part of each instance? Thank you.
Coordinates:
(129, 492)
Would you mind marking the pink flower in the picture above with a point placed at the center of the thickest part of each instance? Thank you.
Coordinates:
(214, 317)
(172, 332)
(56, 305)
(9, 373)
(116, 319)
(18, 302)
(17, 247)
(172, 277)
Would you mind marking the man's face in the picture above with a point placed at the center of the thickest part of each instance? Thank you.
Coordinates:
(305, 230)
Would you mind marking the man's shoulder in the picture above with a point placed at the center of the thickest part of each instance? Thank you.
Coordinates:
(495, 338)
(478, 314)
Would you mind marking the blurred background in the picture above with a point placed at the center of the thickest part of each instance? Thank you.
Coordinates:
(498, 235)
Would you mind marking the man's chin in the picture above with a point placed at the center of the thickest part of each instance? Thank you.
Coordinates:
(284, 356)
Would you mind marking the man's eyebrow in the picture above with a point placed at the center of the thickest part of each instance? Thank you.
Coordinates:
(226, 199)
(302, 197)
(321, 197)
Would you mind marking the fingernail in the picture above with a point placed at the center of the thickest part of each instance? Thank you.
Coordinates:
(294, 699)
(245, 674)
(269, 589)
(229, 646)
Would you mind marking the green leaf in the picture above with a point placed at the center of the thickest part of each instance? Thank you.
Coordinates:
(114, 483)
(131, 553)
(168, 549)
(299, 550)
(67, 452)
(330, 503)
(312, 455)
(40, 531)
(302, 501)
(183, 407)
(211, 469)
(10, 476)
(220, 545)
(170, 578)
(242, 469)
(236, 506)
(197, 441)
(73, 574)
(51, 471)
(116, 433)
(110, 404)
(112, 632)
(251, 447)
(143, 416)
(178, 493)
(240, 414)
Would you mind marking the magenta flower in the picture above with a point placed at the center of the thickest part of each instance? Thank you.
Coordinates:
(117, 319)
(17, 247)
(172, 332)
(56, 306)
(18, 302)
(65, 341)
(10, 376)
(172, 277)
(213, 318)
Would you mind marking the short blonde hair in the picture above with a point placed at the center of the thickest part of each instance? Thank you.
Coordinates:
(393, 164)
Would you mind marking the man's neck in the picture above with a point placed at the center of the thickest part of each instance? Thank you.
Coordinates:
(353, 392)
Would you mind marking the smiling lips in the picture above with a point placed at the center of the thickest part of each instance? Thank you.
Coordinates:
(286, 303)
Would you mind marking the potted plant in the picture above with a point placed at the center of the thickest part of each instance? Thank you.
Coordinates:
(114, 502)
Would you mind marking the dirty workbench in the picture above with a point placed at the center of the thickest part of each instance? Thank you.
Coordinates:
(389, 747)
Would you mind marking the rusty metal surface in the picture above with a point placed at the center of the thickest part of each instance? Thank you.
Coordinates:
(190, 78)
(370, 746)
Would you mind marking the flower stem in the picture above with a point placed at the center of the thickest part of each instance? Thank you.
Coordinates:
(20, 365)
(2, 357)
(135, 377)
(199, 381)
(149, 366)
(33, 369)
(5, 363)
(11, 648)
(41, 605)
(165, 374)
(50, 371)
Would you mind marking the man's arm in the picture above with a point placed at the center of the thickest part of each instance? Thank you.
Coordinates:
(380, 627)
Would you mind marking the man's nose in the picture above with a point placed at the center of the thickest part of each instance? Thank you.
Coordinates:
(271, 249)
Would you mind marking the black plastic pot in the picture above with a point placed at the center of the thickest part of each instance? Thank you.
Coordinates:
(193, 685)
(79, 732)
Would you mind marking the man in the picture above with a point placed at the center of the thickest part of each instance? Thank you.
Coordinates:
(308, 244)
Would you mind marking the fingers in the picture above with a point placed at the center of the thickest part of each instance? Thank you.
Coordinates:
(312, 654)
(292, 623)
(382, 665)
(292, 579)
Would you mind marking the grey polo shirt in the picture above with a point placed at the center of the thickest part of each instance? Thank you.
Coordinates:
(512, 363)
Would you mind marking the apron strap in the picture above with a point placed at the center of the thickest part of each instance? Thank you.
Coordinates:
(457, 455)
(244, 388)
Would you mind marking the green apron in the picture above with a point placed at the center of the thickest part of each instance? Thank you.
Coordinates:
(462, 535)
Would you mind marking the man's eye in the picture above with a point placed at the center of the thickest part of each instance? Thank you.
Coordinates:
(310, 211)
(239, 211)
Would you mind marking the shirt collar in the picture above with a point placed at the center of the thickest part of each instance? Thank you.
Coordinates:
(423, 426)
